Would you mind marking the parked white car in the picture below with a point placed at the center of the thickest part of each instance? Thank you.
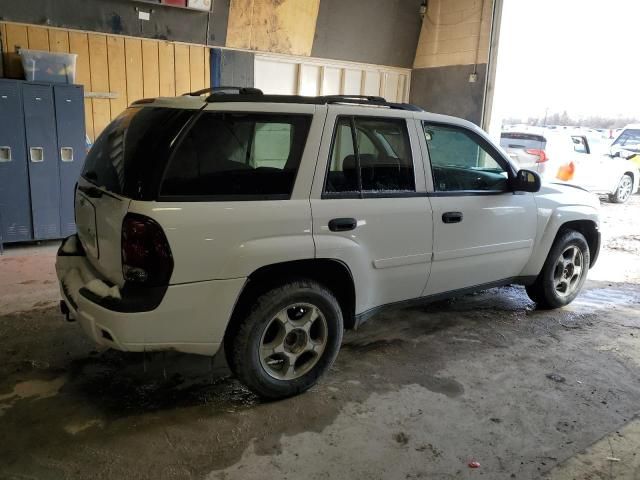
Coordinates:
(574, 157)
(627, 144)
(267, 224)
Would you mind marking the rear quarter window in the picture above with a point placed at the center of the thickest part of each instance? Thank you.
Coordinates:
(237, 156)
(129, 156)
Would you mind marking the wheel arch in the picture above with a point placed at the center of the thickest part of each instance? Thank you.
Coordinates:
(581, 218)
(589, 231)
(335, 275)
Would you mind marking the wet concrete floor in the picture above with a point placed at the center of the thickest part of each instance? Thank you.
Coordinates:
(415, 393)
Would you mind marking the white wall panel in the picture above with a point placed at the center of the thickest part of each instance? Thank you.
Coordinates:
(352, 82)
(276, 77)
(371, 83)
(309, 80)
(331, 81)
(279, 74)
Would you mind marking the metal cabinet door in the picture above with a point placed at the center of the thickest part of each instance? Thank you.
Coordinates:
(69, 103)
(15, 206)
(40, 130)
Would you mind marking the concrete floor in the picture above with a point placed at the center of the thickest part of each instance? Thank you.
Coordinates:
(415, 393)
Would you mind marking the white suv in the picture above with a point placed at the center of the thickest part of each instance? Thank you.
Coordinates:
(267, 224)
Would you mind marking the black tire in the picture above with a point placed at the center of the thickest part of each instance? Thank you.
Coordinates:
(623, 191)
(247, 338)
(543, 290)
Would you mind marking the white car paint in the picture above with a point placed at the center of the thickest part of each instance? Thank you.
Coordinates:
(400, 249)
(592, 165)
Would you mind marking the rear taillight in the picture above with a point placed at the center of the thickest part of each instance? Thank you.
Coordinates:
(146, 255)
(541, 154)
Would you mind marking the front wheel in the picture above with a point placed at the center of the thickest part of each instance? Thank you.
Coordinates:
(624, 190)
(288, 340)
(564, 272)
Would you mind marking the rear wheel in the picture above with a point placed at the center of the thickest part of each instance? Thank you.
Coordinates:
(290, 337)
(624, 190)
(563, 273)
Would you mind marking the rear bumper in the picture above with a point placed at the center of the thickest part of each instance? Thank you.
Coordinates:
(190, 318)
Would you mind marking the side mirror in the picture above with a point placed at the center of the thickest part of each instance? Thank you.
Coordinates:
(526, 181)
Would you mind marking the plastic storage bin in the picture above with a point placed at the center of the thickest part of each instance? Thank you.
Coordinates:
(48, 66)
(199, 4)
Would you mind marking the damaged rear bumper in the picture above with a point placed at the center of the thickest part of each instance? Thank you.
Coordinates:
(189, 318)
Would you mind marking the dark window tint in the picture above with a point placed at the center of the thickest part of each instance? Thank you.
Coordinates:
(129, 156)
(459, 162)
(240, 156)
(380, 162)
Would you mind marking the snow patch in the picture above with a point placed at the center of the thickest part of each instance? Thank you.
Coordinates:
(75, 279)
(101, 289)
(70, 245)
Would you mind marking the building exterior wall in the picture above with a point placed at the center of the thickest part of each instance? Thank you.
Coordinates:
(454, 43)
(382, 32)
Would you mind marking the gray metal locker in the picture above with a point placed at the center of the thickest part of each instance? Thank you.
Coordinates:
(69, 103)
(15, 204)
(40, 128)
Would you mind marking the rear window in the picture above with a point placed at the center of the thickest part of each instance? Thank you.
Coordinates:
(237, 156)
(522, 140)
(629, 139)
(129, 156)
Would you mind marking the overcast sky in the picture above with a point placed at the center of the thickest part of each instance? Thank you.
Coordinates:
(582, 56)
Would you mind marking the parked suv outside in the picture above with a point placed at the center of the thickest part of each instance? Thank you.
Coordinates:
(268, 224)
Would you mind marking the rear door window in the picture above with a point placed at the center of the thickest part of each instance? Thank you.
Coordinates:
(380, 163)
(237, 156)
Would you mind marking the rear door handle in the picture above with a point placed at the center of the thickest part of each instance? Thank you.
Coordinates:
(342, 224)
(452, 217)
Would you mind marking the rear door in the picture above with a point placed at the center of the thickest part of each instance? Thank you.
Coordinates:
(483, 232)
(369, 203)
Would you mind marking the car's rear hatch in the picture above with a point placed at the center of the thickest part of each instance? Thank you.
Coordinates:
(527, 149)
(125, 163)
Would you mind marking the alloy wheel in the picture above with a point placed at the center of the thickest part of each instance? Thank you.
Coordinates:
(568, 271)
(293, 341)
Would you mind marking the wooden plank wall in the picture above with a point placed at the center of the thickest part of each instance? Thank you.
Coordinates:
(132, 68)
(285, 26)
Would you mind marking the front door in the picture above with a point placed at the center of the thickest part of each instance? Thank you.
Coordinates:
(369, 204)
(483, 232)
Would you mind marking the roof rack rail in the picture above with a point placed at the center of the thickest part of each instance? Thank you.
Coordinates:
(222, 94)
(224, 90)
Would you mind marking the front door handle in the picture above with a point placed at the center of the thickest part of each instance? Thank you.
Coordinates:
(342, 224)
(452, 217)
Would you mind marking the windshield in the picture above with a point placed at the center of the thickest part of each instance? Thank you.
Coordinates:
(629, 139)
(129, 156)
